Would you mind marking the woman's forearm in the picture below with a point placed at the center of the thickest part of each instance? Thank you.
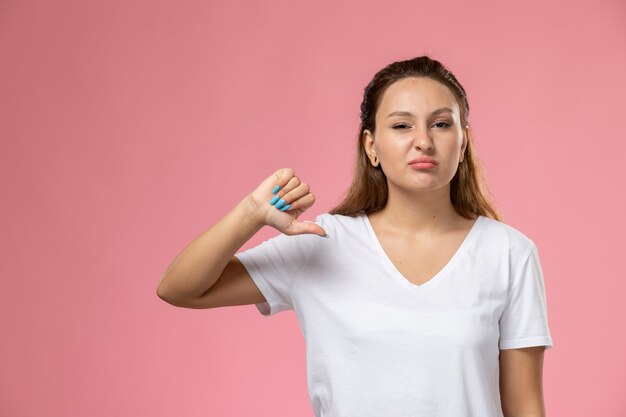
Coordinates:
(202, 261)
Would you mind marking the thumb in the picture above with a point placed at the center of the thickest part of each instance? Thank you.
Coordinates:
(308, 226)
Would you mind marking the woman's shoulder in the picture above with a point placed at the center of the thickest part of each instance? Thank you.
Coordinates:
(503, 234)
(332, 219)
(339, 222)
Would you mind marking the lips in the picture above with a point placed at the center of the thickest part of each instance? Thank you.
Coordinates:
(423, 159)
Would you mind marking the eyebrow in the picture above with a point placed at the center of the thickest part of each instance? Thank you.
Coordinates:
(406, 113)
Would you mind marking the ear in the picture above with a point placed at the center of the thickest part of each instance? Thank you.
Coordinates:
(466, 136)
(368, 143)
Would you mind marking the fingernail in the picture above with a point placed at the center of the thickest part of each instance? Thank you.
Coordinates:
(275, 190)
(326, 235)
(280, 203)
(287, 207)
(275, 199)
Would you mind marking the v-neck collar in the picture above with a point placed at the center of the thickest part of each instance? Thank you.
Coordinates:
(400, 278)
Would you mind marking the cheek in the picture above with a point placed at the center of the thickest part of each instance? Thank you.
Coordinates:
(384, 148)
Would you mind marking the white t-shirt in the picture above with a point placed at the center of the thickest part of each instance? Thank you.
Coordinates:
(379, 345)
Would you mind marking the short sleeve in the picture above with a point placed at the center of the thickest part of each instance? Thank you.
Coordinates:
(275, 265)
(524, 320)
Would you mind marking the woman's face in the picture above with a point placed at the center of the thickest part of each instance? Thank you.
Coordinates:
(409, 125)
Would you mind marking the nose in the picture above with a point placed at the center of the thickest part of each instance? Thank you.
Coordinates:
(422, 140)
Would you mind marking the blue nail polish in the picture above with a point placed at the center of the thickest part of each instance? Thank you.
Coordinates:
(274, 200)
(275, 190)
(287, 207)
(280, 203)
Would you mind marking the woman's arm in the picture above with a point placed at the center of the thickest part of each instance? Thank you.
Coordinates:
(521, 382)
(194, 271)
(198, 268)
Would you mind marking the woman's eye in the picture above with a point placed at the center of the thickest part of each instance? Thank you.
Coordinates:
(438, 124)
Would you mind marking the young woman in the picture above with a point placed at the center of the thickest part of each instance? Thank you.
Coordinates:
(419, 300)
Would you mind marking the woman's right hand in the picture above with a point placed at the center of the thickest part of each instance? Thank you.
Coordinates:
(294, 193)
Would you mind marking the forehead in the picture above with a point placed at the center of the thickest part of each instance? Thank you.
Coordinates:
(419, 95)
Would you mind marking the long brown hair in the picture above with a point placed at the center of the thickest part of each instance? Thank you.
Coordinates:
(368, 192)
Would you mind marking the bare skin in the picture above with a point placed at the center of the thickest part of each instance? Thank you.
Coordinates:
(419, 258)
(418, 228)
(206, 274)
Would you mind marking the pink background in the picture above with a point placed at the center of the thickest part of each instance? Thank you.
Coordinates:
(129, 127)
